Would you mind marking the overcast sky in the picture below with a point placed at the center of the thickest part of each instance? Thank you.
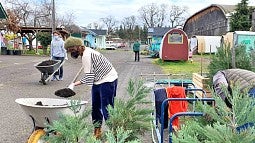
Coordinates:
(89, 11)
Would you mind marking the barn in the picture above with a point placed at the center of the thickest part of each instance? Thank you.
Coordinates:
(174, 46)
(210, 21)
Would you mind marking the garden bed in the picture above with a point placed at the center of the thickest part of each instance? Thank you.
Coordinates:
(201, 81)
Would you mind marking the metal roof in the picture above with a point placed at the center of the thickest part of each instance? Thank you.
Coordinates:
(3, 14)
(86, 30)
(99, 32)
(158, 31)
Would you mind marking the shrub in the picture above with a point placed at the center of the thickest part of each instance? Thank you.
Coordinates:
(223, 60)
(45, 39)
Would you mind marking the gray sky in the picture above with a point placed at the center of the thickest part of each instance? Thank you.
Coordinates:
(89, 11)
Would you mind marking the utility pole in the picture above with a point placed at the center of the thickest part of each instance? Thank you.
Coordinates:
(53, 16)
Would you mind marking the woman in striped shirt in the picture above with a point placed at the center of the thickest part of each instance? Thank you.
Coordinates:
(100, 74)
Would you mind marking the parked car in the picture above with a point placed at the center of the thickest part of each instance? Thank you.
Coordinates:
(110, 45)
(121, 45)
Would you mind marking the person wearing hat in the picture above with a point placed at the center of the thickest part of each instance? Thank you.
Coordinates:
(100, 74)
(58, 52)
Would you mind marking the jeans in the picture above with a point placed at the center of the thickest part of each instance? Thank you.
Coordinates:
(137, 56)
(102, 96)
(60, 71)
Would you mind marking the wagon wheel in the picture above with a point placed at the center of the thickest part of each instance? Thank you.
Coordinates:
(35, 137)
(44, 77)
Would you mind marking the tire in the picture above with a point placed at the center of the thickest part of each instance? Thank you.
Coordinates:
(44, 77)
(35, 137)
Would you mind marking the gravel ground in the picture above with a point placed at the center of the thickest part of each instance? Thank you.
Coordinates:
(19, 79)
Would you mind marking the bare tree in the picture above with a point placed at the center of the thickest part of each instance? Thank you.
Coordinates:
(129, 25)
(12, 21)
(73, 28)
(110, 23)
(66, 19)
(162, 14)
(153, 15)
(129, 22)
(41, 13)
(96, 25)
(20, 8)
(31, 12)
(89, 26)
(38, 13)
(177, 15)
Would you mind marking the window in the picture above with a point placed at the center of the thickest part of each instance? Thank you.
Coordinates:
(175, 38)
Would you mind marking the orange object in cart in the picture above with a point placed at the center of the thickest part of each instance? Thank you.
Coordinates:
(174, 46)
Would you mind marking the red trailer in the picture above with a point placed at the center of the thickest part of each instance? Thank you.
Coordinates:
(174, 46)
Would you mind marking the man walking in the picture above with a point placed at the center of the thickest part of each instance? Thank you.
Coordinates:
(136, 49)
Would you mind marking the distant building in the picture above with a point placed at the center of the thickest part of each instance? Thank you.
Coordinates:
(155, 36)
(100, 39)
(211, 21)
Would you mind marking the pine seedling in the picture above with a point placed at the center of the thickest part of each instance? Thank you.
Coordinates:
(230, 125)
(120, 137)
(130, 115)
(70, 128)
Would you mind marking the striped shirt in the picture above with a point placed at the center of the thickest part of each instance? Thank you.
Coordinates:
(97, 68)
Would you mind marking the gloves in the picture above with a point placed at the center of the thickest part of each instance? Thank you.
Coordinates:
(66, 58)
(71, 86)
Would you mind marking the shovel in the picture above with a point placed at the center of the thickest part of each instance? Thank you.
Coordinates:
(67, 92)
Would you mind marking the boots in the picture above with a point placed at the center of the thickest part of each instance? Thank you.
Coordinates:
(97, 133)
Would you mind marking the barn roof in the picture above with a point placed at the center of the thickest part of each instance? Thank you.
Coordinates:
(226, 9)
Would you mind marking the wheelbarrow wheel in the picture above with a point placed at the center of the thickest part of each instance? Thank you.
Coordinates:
(44, 77)
(35, 137)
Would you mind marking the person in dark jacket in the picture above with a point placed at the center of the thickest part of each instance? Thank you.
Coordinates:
(245, 79)
(136, 49)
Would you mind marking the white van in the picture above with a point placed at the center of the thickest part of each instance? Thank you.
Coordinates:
(110, 45)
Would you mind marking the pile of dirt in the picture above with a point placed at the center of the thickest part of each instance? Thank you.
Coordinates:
(47, 63)
(66, 92)
(39, 103)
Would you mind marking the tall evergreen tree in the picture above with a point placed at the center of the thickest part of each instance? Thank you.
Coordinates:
(241, 19)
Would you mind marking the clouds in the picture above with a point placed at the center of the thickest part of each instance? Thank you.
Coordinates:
(89, 11)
